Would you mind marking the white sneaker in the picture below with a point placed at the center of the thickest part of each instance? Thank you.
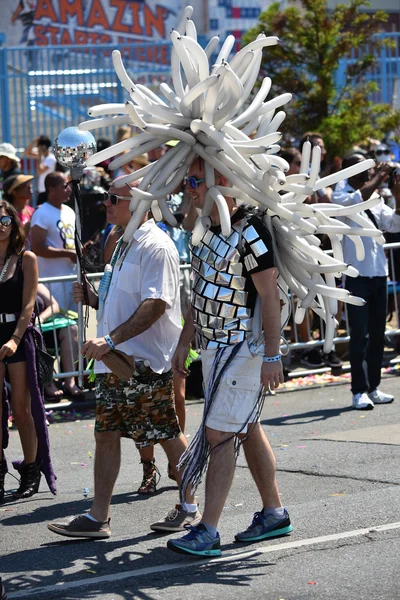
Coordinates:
(379, 397)
(362, 402)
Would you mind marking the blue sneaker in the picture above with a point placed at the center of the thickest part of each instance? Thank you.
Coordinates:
(264, 527)
(198, 542)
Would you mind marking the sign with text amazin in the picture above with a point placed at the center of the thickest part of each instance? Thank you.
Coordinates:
(70, 22)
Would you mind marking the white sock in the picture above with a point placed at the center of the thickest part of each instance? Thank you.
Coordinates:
(211, 530)
(275, 512)
(91, 518)
(189, 507)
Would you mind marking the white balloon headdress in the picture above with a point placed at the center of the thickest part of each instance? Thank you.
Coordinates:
(206, 112)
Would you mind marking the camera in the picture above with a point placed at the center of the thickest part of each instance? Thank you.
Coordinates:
(395, 171)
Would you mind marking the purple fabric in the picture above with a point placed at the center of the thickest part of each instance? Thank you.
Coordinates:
(38, 410)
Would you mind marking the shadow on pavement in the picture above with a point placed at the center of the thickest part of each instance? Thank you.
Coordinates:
(62, 510)
(93, 555)
(312, 416)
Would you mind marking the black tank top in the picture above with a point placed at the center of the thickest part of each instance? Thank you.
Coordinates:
(11, 291)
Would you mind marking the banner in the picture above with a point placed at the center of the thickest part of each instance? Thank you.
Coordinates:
(70, 22)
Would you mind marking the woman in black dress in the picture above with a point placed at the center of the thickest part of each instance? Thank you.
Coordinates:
(18, 283)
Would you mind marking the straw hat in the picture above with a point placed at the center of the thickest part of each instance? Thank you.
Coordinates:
(142, 160)
(14, 181)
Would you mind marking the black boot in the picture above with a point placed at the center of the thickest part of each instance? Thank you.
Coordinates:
(2, 476)
(30, 480)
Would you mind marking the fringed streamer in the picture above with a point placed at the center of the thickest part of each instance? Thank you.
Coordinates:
(194, 460)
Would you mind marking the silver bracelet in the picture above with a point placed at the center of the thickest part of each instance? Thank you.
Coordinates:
(109, 341)
(270, 359)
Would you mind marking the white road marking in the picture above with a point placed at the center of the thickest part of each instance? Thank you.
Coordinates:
(92, 581)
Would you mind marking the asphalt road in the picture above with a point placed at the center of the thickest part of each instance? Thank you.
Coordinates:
(339, 477)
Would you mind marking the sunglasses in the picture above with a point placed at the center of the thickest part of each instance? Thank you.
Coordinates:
(6, 220)
(114, 199)
(381, 152)
(193, 182)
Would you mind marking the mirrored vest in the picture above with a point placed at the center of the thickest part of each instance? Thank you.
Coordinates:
(222, 309)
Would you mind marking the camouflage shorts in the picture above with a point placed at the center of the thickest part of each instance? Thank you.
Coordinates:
(142, 409)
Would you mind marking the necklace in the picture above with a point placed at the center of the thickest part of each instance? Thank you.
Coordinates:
(4, 270)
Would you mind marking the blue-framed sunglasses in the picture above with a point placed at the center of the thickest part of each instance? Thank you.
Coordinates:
(114, 199)
(193, 182)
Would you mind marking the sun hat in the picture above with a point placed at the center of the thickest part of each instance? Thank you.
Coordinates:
(142, 160)
(9, 151)
(14, 181)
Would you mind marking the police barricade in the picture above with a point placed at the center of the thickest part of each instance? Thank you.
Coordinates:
(297, 337)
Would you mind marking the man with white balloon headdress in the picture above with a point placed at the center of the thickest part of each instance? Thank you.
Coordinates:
(231, 149)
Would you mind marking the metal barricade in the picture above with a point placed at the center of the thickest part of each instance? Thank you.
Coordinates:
(294, 344)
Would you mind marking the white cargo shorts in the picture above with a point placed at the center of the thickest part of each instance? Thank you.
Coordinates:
(238, 390)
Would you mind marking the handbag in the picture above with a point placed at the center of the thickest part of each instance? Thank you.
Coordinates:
(44, 360)
(120, 364)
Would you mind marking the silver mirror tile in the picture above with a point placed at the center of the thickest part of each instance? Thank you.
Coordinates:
(212, 307)
(233, 255)
(208, 333)
(250, 262)
(221, 336)
(240, 298)
(207, 237)
(233, 239)
(196, 263)
(223, 278)
(231, 324)
(213, 242)
(222, 249)
(225, 294)
(235, 268)
(202, 319)
(221, 264)
(215, 322)
(259, 248)
(246, 324)
(237, 336)
(199, 286)
(211, 291)
(198, 301)
(250, 234)
(238, 282)
(204, 253)
(243, 312)
(228, 311)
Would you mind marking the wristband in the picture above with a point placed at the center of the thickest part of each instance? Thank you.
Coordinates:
(109, 341)
(270, 359)
(16, 336)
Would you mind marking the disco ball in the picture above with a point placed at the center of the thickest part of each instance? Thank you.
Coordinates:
(73, 147)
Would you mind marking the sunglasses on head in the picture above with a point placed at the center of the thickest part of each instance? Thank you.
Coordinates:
(114, 199)
(6, 220)
(380, 152)
(193, 182)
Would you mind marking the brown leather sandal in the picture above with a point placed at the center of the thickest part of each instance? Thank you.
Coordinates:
(151, 478)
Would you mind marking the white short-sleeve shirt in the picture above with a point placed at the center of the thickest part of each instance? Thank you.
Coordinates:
(149, 268)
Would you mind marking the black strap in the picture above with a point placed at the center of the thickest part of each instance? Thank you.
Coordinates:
(371, 217)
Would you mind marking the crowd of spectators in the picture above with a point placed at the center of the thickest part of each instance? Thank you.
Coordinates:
(50, 229)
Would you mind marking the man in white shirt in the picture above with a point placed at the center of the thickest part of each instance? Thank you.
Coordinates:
(367, 323)
(138, 314)
(53, 238)
(40, 150)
